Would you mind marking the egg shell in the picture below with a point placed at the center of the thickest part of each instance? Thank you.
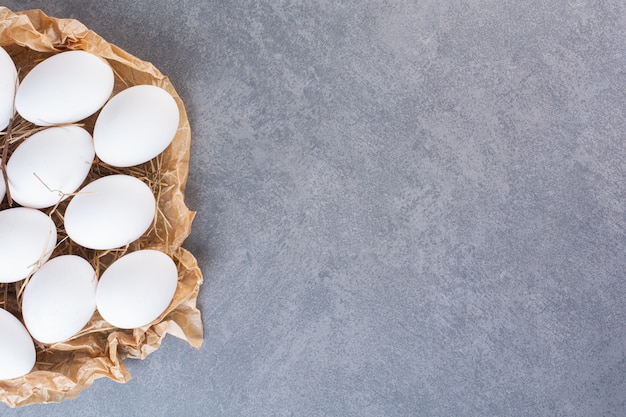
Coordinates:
(137, 288)
(64, 88)
(110, 212)
(17, 350)
(59, 298)
(27, 239)
(50, 165)
(135, 126)
(3, 187)
(8, 83)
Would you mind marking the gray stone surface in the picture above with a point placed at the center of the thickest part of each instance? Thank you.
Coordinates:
(405, 208)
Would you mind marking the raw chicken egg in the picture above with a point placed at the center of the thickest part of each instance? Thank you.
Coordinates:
(17, 350)
(3, 187)
(64, 88)
(137, 288)
(27, 238)
(59, 298)
(110, 212)
(50, 165)
(135, 126)
(8, 83)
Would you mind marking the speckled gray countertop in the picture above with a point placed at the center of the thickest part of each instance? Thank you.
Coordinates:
(405, 208)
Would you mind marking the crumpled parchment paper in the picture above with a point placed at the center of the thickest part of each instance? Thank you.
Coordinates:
(64, 369)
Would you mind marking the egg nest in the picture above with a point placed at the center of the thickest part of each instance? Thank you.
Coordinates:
(64, 369)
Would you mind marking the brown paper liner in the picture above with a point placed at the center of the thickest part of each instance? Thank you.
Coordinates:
(64, 369)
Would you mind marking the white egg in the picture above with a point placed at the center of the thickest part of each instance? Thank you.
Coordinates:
(3, 187)
(110, 212)
(8, 82)
(17, 350)
(137, 288)
(27, 238)
(49, 165)
(59, 298)
(135, 126)
(64, 88)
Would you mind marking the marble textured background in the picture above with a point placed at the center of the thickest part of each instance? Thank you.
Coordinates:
(405, 208)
